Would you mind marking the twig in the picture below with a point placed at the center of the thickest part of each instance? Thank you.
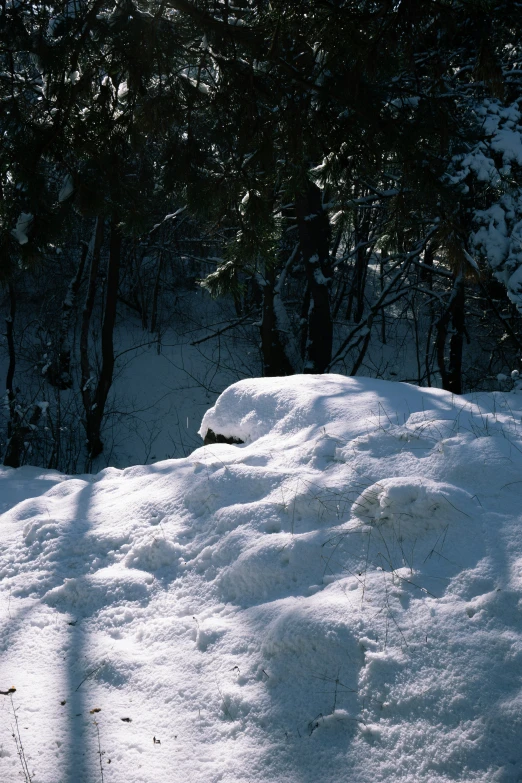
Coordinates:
(19, 746)
(223, 702)
(100, 753)
(221, 331)
(91, 674)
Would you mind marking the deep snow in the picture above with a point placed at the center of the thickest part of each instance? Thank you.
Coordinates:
(338, 599)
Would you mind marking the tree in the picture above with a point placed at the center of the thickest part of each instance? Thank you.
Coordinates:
(354, 166)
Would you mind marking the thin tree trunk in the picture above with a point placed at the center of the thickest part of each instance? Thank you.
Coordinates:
(383, 312)
(9, 323)
(97, 410)
(85, 365)
(417, 340)
(12, 454)
(426, 275)
(17, 444)
(451, 375)
(275, 361)
(303, 336)
(427, 354)
(155, 294)
(17, 431)
(59, 374)
(314, 237)
(360, 270)
(457, 339)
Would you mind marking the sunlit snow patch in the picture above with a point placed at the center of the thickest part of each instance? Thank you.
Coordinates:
(336, 598)
(410, 505)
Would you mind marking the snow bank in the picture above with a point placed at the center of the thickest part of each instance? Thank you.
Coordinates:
(253, 408)
(338, 598)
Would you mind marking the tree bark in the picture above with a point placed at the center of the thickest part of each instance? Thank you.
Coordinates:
(86, 373)
(314, 237)
(9, 323)
(12, 453)
(19, 429)
(155, 294)
(451, 375)
(59, 373)
(457, 339)
(94, 416)
(275, 361)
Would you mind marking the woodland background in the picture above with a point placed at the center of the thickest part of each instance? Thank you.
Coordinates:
(249, 188)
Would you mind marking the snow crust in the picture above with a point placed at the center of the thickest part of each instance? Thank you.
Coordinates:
(340, 598)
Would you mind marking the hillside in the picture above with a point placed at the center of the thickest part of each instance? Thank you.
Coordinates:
(337, 598)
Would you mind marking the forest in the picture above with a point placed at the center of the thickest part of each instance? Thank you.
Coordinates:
(261, 432)
(314, 186)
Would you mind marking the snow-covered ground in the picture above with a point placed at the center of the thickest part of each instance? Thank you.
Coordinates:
(338, 599)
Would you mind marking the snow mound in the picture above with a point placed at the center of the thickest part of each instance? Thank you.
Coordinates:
(152, 553)
(339, 597)
(410, 506)
(106, 586)
(253, 408)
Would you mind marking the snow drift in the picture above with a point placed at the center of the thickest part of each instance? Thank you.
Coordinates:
(339, 598)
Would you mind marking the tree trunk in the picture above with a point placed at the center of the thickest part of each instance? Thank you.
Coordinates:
(9, 324)
(314, 237)
(275, 361)
(86, 373)
(155, 294)
(457, 339)
(97, 409)
(59, 373)
(451, 376)
(361, 267)
(19, 429)
(12, 453)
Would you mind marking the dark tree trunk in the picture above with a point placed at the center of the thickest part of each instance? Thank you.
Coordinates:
(457, 340)
(86, 373)
(9, 324)
(275, 361)
(97, 410)
(155, 294)
(19, 429)
(12, 454)
(355, 304)
(314, 237)
(59, 373)
(303, 338)
(426, 275)
(451, 375)
(361, 268)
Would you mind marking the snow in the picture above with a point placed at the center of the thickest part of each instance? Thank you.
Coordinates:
(67, 189)
(22, 228)
(509, 143)
(498, 237)
(339, 598)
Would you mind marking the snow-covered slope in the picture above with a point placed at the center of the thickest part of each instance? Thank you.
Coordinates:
(338, 599)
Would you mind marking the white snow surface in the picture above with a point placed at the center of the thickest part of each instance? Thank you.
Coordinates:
(338, 599)
(22, 228)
